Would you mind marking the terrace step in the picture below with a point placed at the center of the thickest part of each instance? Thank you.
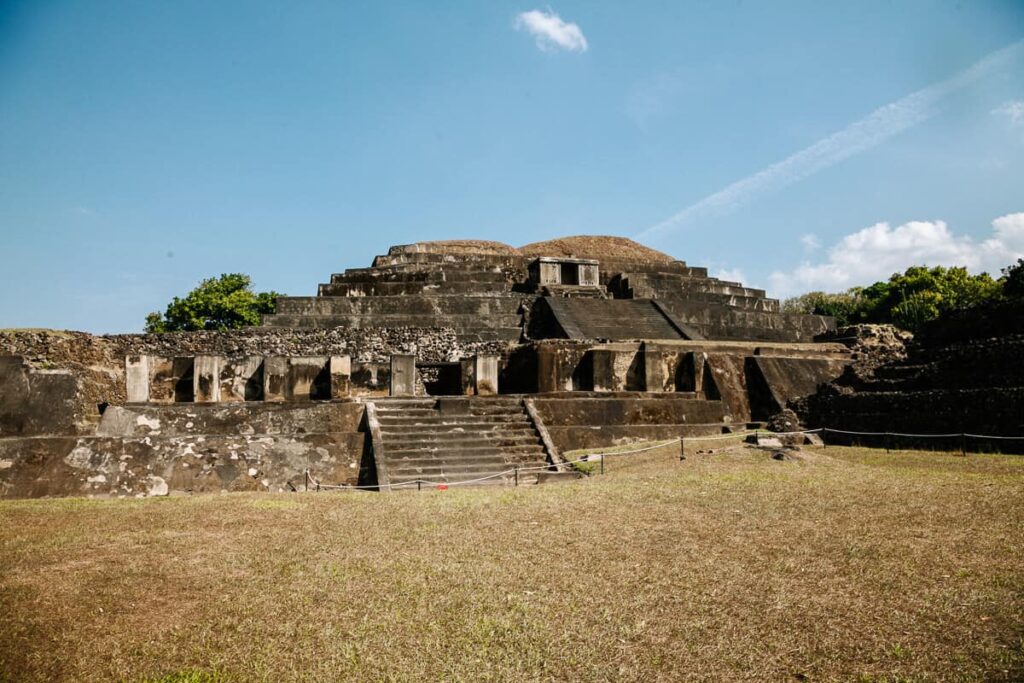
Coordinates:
(420, 441)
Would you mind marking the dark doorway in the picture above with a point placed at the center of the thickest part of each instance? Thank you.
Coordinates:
(570, 274)
(441, 379)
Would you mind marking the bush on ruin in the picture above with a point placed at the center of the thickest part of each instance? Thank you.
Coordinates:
(220, 303)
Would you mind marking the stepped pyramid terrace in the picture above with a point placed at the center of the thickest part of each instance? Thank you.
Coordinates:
(451, 361)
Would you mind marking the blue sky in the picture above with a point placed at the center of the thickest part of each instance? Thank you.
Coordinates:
(796, 145)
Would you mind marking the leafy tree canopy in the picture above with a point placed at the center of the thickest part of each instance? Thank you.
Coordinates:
(1013, 280)
(914, 297)
(219, 303)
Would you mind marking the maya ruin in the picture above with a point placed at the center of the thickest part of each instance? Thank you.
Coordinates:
(442, 361)
(462, 362)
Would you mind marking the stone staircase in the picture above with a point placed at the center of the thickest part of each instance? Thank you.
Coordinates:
(451, 440)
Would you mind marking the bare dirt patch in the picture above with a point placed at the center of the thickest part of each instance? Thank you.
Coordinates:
(844, 564)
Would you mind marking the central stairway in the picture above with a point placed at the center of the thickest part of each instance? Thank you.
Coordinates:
(452, 440)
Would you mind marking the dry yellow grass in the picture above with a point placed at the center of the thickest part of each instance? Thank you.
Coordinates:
(843, 565)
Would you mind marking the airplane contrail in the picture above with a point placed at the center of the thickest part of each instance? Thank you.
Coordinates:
(876, 127)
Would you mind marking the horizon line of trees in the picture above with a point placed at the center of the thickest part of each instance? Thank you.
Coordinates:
(915, 297)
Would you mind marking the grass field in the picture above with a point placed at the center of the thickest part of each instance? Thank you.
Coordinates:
(845, 565)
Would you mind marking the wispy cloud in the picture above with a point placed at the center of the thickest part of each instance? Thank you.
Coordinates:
(878, 251)
(551, 32)
(1014, 111)
(729, 275)
(873, 129)
(810, 242)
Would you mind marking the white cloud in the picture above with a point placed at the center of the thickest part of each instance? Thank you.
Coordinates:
(730, 275)
(551, 32)
(872, 130)
(810, 242)
(878, 251)
(1013, 110)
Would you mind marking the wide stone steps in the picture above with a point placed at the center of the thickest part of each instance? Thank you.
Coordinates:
(397, 288)
(460, 323)
(453, 440)
(455, 428)
(699, 295)
(442, 304)
(467, 328)
(461, 259)
(443, 274)
(488, 419)
(442, 444)
(501, 455)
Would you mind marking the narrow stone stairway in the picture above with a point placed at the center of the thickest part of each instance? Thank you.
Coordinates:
(451, 440)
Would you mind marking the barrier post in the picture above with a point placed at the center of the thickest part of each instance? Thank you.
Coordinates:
(824, 440)
(419, 485)
(682, 448)
(602, 463)
(517, 474)
(963, 444)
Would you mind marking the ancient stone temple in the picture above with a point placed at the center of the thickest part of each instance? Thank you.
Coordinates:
(441, 362)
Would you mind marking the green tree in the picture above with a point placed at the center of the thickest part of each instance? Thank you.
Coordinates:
(912, 298)
(219, 303)
(1013, 281)
(845, 307)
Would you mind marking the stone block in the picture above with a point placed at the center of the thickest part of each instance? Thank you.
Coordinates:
(241, 379)
(206, 379)
(654, 370)
(275, 377)
(403, 375)
(308, 379)
(588, 275)
(604, 370)
(453, 406)
(468, 372)
(136, 378)
(170, 379)
(341, 376)
(485, 370)
(371, 378)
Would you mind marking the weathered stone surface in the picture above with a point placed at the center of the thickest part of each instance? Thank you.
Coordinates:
(485, 374)
(206, 379)
(946, 383)
(403, 375)
(34, 402)
(192, 448)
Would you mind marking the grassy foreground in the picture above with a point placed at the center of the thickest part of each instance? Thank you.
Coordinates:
(845, 564)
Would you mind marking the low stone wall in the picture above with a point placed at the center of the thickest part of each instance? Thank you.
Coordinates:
(750, 379)
(96, 363)
(55, 348)
(600, 420)
(189, 448)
